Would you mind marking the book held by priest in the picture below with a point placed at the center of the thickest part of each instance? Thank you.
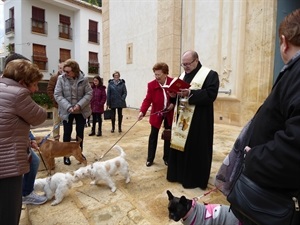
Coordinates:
(176, 85)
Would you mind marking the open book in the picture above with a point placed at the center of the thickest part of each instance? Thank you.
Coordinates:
(176, 84)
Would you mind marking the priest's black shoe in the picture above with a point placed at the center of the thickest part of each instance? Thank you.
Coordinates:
(67, 161)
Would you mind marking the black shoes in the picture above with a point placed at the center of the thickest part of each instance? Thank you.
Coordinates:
(112, 131)
(67, 161)
(99, 133)
(92, 133)
(148, 163)
(166, 163)
(120, 130)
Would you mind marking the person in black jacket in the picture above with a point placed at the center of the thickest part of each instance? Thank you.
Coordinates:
(116, 95)
(273, 155)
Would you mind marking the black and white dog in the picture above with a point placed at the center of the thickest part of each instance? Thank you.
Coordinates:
(193, 213)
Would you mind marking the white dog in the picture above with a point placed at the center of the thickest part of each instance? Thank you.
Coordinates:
(82, 172)
(103, 170)
(56, 185)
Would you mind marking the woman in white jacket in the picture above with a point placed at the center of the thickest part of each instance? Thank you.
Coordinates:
(73, 94)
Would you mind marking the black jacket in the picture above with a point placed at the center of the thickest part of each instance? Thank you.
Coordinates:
(274, 160)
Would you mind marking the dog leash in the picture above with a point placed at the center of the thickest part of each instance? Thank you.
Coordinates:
(118, 140)
(49, 171)
(56, 126)
(161, 112)
(206, 193)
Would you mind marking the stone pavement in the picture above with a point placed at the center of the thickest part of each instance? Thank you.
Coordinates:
(144, 200)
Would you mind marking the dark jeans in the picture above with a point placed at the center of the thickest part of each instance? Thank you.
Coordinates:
(68, 128)
(152, 143)
(97, 118)
(29, 178)
(113, 113)
(11, 200)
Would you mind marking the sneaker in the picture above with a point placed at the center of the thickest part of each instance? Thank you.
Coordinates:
(34, 199)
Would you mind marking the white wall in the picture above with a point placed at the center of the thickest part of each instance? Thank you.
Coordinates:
(133, 22)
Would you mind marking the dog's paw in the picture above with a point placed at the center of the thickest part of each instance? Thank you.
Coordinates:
(127, 180)
(93, 182)
(54, 203)
(113, 189)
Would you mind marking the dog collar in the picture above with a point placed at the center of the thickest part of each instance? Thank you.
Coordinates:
(190, 211)
(43, 140)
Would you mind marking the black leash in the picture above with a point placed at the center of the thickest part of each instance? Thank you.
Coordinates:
(49, 171)
(43, 141)
(118, 140)
(158, 112)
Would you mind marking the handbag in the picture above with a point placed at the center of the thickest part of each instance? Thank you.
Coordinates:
(166, 134)
(263, 206)
(232, 165)
(107, 114)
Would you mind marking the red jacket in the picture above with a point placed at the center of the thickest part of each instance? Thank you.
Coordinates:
(155, 99)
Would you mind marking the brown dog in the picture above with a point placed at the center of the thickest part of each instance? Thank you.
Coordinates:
(51, 149)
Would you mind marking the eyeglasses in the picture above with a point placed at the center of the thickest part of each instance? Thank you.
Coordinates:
(67, 72)
(187, 64)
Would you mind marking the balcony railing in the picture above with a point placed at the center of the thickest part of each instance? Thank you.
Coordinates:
(94, 36)
(93, 68)
(9, 25)
(65, 31)
(38, 26)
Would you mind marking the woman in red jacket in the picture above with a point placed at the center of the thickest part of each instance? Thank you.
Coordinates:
(161, 110)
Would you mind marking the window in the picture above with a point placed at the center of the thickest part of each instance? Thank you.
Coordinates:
(93, 31)
(10, 23)
(65, 31)
(38, 23)
(129, 53)
(11, 48)
(64, 54)
(39, 56)
(93, 63)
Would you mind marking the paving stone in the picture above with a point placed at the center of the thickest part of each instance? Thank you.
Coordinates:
(143, 201)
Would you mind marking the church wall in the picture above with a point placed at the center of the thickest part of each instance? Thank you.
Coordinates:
(234, 38)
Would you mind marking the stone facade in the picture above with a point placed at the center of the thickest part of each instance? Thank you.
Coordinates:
(234, 38)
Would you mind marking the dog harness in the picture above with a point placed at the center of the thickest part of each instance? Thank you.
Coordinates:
(194, 202)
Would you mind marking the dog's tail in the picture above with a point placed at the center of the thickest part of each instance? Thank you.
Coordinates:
(121, 151)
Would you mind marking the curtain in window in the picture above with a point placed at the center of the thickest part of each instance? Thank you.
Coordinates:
(39, 53)
(64, 20)
(64, 54)
(38, 14)
(93, 58)
(93, 26)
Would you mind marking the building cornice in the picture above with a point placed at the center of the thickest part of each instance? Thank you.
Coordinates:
(84, 4)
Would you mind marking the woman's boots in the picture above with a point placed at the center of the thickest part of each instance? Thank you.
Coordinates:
(93, 131)
(113, 121)
(120, 118)
(99, 133)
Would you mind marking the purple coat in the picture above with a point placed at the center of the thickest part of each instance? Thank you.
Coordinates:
(98, 99)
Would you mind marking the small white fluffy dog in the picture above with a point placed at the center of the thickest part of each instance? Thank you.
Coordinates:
(103, 170)
(57, 185)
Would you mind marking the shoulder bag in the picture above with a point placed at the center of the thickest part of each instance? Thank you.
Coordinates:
(107, 114)
(166, 135)
(263, 206)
